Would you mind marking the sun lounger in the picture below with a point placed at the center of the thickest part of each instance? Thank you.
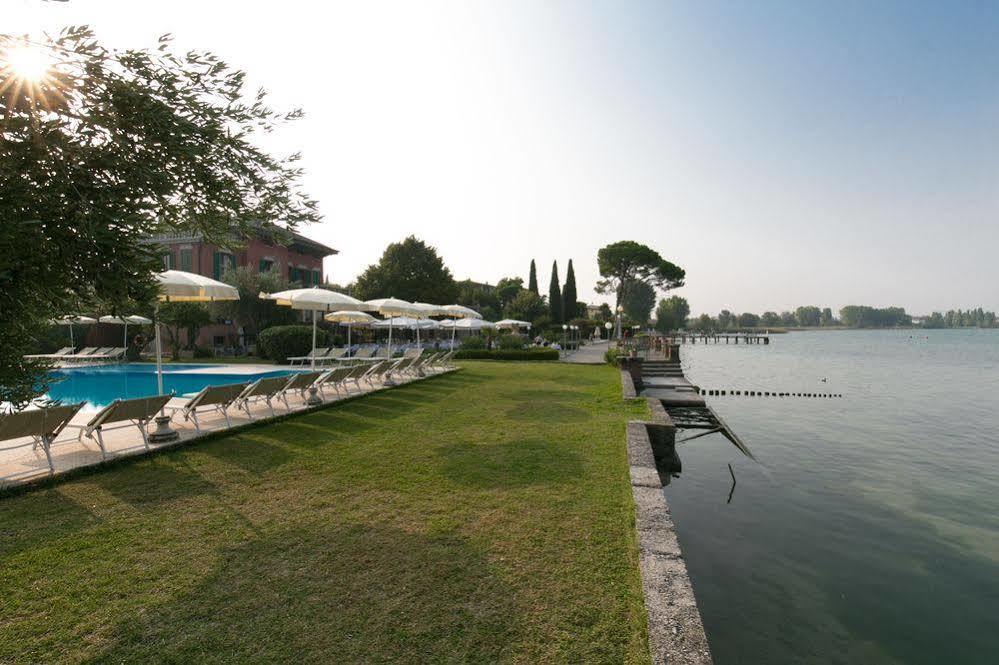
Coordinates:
(335, 378)
(262, 389)
(137, 412)
(444, 362)
(64, 351)
(42, 426)
(112, 353)
(81, 354)
(315, 353)
(377, 372)
(299, 383)
(218, 398)
(334, 354)
(365, 352)
(399, 368)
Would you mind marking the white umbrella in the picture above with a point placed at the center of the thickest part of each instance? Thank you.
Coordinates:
(459, 312)
(390, 307)
(426, 311)
(513, 324)
(350, 318)
(180, 286)
(125, 320)
(317, 300)
(69, 321)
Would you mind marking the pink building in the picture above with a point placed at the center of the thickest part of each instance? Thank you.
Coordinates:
(297, 257)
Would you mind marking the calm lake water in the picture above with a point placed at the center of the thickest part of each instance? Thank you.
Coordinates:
(869, 532)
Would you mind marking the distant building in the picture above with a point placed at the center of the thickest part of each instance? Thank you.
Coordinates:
(300, 259)
(593, 311)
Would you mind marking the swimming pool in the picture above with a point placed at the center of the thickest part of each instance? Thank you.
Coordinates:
(99, 386)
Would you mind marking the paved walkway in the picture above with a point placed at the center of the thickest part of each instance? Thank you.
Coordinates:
(589, 354)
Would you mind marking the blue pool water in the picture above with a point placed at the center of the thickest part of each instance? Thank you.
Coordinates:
(99, 386)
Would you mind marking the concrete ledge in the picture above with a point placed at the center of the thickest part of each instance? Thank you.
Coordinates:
(676, 632)
(628, 385)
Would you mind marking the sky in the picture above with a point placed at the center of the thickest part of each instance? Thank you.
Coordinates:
(782, 153)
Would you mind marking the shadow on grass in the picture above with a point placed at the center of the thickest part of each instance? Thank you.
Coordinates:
(249, 452)
(31, 520)
(533, 394)
(542, 411)
(156, 481)
(347, 593)
(510, 464)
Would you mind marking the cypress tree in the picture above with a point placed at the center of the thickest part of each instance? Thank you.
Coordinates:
(532, 281)
(555, 295)
(569, 294)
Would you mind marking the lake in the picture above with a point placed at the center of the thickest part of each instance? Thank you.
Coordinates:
(869, 531)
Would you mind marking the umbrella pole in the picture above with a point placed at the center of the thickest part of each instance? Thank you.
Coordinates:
(453, 331)
(418, 333)
(390, 339)
(348, 337)
(163, 432)
(313, 354)
(159, 357)
(71, 342)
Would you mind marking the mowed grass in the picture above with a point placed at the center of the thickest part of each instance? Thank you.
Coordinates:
(481, 516)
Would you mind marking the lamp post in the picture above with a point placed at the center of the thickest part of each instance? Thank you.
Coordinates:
(620, 312)
(607, 326)
(565, 329)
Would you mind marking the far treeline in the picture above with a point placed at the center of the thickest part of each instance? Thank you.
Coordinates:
(851, 316)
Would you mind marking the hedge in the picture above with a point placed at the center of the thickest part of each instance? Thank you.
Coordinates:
(503, 354)
(278, 343)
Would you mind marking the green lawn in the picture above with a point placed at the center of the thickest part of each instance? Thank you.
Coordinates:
(476, 517)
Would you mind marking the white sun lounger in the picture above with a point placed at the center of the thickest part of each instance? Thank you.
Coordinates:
(262, 389)
(315, 353)
(334, 354)
(42, 426)
(113, 353)
(218, 398)
(64, 351)
(137, 412)
(82, 353)
(299, 383)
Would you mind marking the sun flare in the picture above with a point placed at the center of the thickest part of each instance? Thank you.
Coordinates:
(27, 62)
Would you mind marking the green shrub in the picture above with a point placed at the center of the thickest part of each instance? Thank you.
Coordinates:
(511, 342)
(475, 342)
(202, 352)
(278, 343)
(610, 356)
(518, 354)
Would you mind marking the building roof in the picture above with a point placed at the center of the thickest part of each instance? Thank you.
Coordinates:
(267, 233)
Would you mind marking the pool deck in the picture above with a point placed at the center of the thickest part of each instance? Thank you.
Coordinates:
(25, 464)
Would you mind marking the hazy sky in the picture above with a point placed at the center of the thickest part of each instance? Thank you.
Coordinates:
(783, 153)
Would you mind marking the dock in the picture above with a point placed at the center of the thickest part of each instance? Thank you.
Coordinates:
(716, 338)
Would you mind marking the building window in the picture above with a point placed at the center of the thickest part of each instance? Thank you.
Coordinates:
(223, 261)
(168, 261)
(266, 265)
(187, 259)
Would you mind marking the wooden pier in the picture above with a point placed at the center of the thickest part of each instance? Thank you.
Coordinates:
(716, 338)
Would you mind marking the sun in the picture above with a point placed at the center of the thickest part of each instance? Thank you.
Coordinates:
(29, 63)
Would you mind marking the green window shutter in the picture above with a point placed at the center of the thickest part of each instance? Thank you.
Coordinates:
(186, 260)
(263, 265)
(217, 265)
